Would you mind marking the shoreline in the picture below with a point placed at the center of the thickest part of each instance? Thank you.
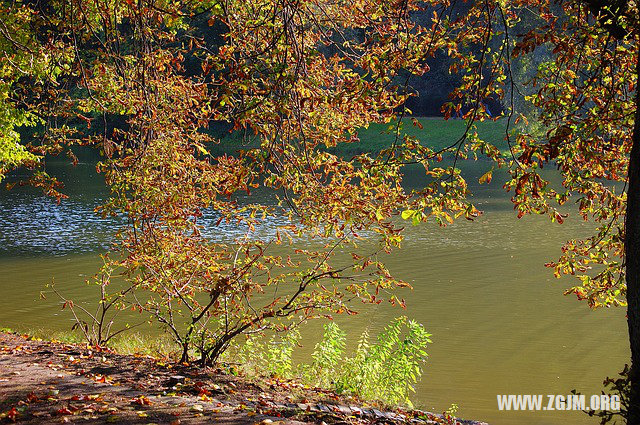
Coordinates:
(51, 382)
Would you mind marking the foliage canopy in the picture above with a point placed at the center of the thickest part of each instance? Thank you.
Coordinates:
(145, 79)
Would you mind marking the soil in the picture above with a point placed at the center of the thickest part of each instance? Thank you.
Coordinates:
(45, 382)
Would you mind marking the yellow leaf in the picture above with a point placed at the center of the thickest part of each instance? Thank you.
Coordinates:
(407, 214)
(202, 150)
(486, 177)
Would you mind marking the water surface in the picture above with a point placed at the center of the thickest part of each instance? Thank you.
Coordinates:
(499, 321)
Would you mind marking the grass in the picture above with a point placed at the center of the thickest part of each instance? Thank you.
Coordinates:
(159, 346)
(154, 346)
(436, 133)
(65, 337)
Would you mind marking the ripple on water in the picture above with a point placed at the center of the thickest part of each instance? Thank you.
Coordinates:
(38, 225)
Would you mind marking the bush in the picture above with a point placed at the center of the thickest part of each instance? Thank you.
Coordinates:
(385, 370)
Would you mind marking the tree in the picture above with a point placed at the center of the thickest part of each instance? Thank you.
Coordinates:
(22, 58)
(274, 78)
(589, 129)
(295, 78)
(34, 69)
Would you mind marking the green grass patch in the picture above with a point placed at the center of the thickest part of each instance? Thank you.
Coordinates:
(159, 346)
(154, 346)
(65, 337)
(436, 133)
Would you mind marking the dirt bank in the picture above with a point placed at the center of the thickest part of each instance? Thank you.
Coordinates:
(44, 383)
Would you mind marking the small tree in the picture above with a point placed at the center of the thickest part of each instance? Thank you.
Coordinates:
(294, 79)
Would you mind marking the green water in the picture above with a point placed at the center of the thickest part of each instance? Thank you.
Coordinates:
(499, 321)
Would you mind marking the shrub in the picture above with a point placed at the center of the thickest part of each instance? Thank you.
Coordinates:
(385, 370)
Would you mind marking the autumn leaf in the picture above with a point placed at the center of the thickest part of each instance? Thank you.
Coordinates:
(408, 214)
(486, 177)
(141, 401)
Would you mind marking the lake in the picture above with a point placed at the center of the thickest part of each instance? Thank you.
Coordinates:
(499, 321)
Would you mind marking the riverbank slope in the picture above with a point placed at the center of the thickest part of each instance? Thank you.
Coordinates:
(45, 382)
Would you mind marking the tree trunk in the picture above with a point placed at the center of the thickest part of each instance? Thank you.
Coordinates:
(632, 257)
